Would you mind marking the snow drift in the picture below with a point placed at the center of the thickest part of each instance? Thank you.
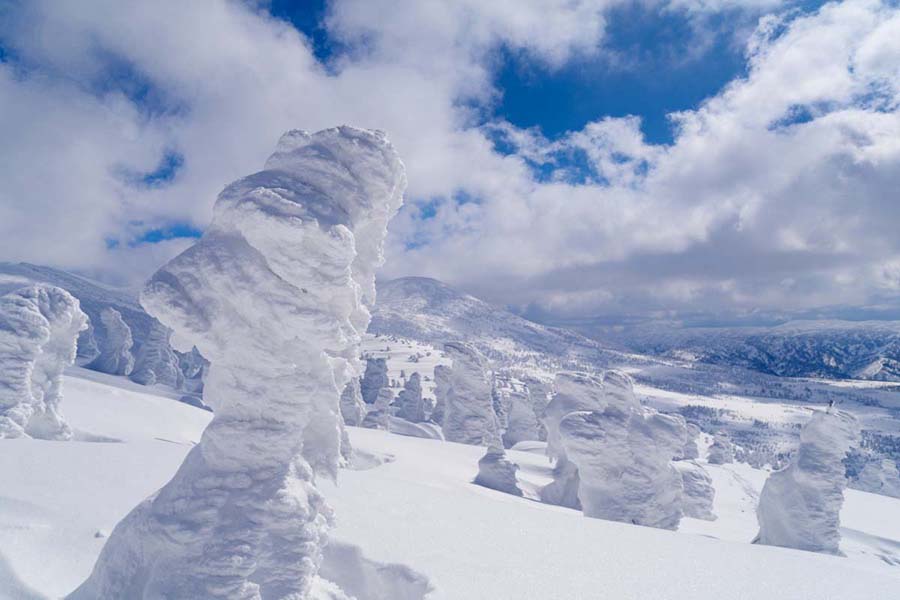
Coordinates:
(39, 327)
(799, 506)
(275, 295)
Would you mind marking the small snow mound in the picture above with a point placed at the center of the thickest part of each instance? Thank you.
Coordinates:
(497, 472)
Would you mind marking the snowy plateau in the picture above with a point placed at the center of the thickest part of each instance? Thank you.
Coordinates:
(262, 422)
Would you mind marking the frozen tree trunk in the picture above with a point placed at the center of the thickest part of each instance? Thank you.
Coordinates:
(469, 417)
(374, 379)
(115, 352)
(497, 472)
(275, 295)
(409, 402)
(800, 506)
(721, 451)
(353, 409)
(624, 464)
(39, 327)
(156, 362)
(699, 493)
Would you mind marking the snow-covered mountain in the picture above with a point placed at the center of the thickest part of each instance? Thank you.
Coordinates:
(429, 311)
(829, 349)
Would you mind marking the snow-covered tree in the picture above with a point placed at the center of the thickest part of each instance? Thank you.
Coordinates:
(879, 477)
(379, 413)
(39, 327)
(469, 417)
(353, 409)
(374, 379)
(497, 472)
(522, 423)
(410, 404)
(800, 506)
(690, 450)
(721, 451)
(624, 461)
(699, 493)
(275, 295)
(115, 347)
(441, 385)
(155, 361)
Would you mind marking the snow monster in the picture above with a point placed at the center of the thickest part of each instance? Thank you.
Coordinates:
(276, 295)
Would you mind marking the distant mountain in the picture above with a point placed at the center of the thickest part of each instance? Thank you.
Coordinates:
(429, 311)
(829, 349)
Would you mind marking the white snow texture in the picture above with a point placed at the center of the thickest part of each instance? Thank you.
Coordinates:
(497, 472)
(115, 355)
(799, 506)
(39, 327)
(275, 294)
(699, 493)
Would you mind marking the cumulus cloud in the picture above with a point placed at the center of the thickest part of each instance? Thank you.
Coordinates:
(777, 191)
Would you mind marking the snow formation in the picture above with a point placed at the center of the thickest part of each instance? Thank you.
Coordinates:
(441, 385)
(378, 415)
(275, 295)
(409, 402)
(353, 409)
(469, 416)
(115, 355)
(155, 362)
(721, 451)
(39, 327)
(522, 422)
(375, 378)
(690, 450)
(799, 506)
(497, 472)
(699, 493)
(879, 477)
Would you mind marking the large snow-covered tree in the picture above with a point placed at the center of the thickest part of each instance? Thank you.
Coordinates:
(469, 416)
(275, 295)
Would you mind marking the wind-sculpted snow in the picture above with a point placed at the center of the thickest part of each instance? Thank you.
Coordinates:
(721, 451)
(374, 379)
(497, 472)
(155, 362)
(690, 450)
(879, 477)
(521, 421)
(378, 415)
(115, 346)
(469, 416)
(623, 457)
(441, 385)
(353, 409)
(39, 326)
(800, 506)
(275, 295)
(410, 404)
(699, 493)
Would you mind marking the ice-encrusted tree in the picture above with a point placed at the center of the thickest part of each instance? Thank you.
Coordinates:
(374, 379)
(469, 416)
(410, 404)
(721, 451)
(879, 477)
(353, 409)
(115, 355)
(379, 412)
(441, 384)
(497, 472)
(275, 295)
(522, 423)
(799, 506)
(699, 493)
(690, 450)
(624, 461)
(155, 361)
(39, 327)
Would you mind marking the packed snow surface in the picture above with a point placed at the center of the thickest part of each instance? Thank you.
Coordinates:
(414, 520)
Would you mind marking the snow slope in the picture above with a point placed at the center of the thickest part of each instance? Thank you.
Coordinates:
(419, 516)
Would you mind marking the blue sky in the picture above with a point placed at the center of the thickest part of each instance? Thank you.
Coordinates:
(545, 169)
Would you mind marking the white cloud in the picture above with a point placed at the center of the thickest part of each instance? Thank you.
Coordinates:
(750, 195)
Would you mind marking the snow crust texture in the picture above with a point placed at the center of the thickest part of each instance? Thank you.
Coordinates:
(39, 327)
(275, 295)
(799, 506)
(469, 416)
